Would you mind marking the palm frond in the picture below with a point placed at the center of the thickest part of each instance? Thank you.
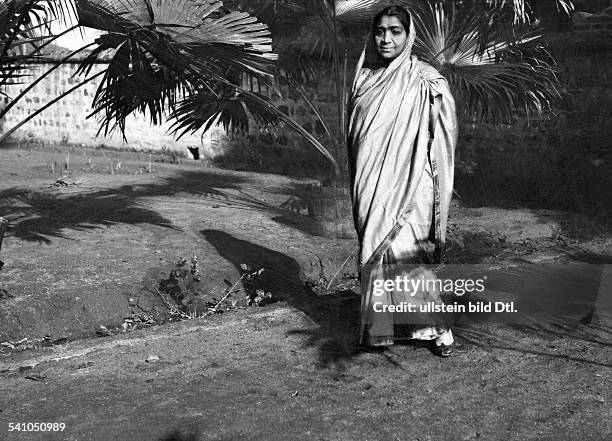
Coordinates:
(133, 81)
(202, 110)
(297, 66)
(510, 73)
(166, 49)
(112, 15)
(521, 9)
(19, 22)
(357, 12)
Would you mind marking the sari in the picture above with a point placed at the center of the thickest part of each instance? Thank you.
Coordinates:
(402, 136)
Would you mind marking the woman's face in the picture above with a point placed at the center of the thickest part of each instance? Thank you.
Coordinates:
(390, 37)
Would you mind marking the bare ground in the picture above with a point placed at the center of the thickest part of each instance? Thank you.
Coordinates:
(86, 252)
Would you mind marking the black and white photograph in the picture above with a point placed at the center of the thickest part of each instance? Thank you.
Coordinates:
(296, 220)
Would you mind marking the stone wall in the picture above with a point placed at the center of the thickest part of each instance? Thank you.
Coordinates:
(66, 121)
(288, 152)
(597, 24)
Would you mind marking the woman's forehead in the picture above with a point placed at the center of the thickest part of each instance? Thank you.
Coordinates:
(389, 22)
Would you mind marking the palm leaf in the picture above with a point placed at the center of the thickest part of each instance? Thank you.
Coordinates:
(509, 74)
(24, 27)
(297, 66)
(132, 82)
(166, 49)
(357, 12)
(521, 9)
(203, 110)
(187, 22)
(19, 21)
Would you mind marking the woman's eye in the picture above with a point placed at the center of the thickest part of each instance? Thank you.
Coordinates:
(397, 32)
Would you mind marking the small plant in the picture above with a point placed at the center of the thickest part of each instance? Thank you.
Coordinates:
(316, 287)
(259, 298)
(253, 296)
(181, 294)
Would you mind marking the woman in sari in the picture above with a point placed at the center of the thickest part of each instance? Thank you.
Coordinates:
(402, 136)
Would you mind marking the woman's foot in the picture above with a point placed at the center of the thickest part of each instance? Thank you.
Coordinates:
(444, 350)
(445, 344)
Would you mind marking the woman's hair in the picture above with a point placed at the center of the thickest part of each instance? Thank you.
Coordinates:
(396, 11)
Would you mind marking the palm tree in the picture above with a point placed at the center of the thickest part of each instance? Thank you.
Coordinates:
(187, 56)
(489, 50)
(188, 59)
(205, 65)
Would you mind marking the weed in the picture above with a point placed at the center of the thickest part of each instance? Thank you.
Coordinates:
(180, 291)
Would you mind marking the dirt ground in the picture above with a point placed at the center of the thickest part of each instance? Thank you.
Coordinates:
(84, 252)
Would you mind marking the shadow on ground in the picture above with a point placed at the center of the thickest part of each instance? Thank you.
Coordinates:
(517, 179)
(181, 435)
(39, 216)
(520, 339)
(336, 315)
(42, 215)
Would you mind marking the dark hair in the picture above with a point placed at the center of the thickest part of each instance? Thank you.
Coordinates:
(393, 11)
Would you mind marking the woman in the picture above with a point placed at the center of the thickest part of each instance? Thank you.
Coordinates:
(402, 136)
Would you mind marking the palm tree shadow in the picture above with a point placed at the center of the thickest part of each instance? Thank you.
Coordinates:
(336, 315)
(562, 303)
(487, 339)
(39, 216)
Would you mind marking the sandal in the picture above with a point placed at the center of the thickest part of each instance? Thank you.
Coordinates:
(444, 350)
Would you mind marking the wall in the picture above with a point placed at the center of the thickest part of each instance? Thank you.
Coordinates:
(66, 121)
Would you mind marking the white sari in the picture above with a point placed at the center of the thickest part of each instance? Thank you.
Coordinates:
(402, 137)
